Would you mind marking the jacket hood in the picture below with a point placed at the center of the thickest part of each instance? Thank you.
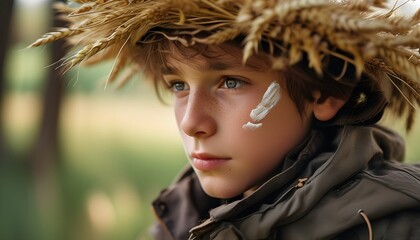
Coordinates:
(335, 173)
(359, 170)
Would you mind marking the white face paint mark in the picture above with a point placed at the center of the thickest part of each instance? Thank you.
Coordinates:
(251, 126)
(270, 99)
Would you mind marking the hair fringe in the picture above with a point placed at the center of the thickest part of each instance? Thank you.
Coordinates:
(354, 31)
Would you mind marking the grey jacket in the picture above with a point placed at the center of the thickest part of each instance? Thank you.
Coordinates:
(342, 183)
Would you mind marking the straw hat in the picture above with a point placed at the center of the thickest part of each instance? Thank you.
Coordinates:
(362, 33)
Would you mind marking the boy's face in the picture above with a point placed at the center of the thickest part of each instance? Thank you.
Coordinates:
(213, 98)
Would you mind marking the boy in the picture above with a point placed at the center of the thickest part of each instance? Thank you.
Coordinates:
(276, 103)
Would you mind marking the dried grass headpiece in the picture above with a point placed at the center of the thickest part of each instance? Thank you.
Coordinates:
(360, 32)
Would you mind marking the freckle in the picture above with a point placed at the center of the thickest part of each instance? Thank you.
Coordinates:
(213, 103)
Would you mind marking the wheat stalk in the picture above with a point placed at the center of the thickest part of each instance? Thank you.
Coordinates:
(220, 37)
(283, 9)
(85, 1)
(54, 36)
(351, 30)
(84, 8)
(400, 63)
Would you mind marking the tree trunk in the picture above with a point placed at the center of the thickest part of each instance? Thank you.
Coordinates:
(6, 9)
(44, 160)
(46, 148)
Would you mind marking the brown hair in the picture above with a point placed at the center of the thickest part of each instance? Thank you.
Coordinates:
(337, 80)
(381, 46)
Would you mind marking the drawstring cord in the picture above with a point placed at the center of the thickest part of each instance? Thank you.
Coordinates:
(365, 217)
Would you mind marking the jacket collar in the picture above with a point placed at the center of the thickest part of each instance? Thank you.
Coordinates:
(325, 161)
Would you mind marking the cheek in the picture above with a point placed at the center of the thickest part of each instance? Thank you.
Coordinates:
(179, 112)
(282, 129)
(240, 111)
(263, 143)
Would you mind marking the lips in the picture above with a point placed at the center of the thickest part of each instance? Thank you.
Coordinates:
(207, 162)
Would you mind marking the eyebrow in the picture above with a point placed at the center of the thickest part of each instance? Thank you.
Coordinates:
(211, 66)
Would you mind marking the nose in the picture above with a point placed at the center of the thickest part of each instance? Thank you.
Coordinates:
(198, 118)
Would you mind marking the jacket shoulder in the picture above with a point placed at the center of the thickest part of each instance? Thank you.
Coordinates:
(403, 225)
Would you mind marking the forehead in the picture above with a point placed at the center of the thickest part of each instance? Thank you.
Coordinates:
(203, 57)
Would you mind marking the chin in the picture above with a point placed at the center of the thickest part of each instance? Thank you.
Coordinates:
(221, 193)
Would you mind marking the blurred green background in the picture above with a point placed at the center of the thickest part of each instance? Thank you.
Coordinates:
(118, 147)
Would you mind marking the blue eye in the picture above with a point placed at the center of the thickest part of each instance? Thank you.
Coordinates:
(178, 86)
(232, 83)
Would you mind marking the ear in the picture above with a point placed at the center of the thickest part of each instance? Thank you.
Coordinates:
(325, 108)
